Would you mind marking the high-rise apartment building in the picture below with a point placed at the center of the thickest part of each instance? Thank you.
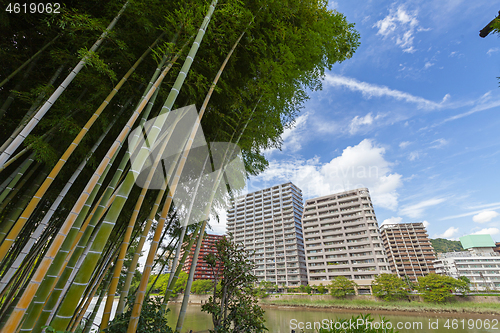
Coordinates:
(269, 223)
(202, 272)
(342, 238)
(408, 249)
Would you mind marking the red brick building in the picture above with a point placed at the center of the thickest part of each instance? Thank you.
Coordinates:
(203, 271)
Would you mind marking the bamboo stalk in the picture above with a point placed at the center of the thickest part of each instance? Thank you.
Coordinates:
(48, 104)
(43, 224)
(31, 112)
(60, 321)
(28, 61)
(130, 227)
(5, 106)
(189, 283)
(62, 161)
(14, 180)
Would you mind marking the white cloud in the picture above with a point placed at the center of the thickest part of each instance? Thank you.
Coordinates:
(485, 216)
(428, 64)
(362, 165)
(439, 143)
(426, 224)
(332, 5)
(417, 210)
(487, 231)
(393, 220)
(291, 136)
(478, 108)
(492, 50)
(448, 233)
(404, 144)
(493, 206)
(400, 26)
(413, 155)
(357, 123)
(371, 90)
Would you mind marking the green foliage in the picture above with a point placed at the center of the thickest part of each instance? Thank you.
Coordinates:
(151, 320)
(202, 287)
(389, 287)
(437, 288)
(162, 284)
(234, 306)
(308, 289)
(442, 245)
(93, 60)
(321, 289)
(366, 325)
(341, 286)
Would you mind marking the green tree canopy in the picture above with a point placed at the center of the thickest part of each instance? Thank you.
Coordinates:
(389, 287)
(341, 286)
(439, 288)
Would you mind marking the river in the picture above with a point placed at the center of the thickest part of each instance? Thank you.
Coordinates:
(283, 320)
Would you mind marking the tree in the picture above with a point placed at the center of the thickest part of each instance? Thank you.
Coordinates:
(321, 289)
(233, 305)
(341, 286)
(202, 287)
(389, 287)
(439, 288)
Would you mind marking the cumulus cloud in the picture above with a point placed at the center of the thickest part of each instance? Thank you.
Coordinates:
(393, 220)
(372, 90)
(448, 233)
(485, 216)
(400, 26)
(426, 224)
(487, 231)
(363, 165)
(418, 209)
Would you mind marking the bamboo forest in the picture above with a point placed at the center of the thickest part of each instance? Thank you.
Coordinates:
(76, 82)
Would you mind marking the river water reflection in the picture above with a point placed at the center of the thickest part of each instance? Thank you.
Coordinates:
(283, 320)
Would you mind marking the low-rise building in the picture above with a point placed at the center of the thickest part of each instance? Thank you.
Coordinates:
(480, 263)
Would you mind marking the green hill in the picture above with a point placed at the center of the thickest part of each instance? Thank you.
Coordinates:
(443, 245)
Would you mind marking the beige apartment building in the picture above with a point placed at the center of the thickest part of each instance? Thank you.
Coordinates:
(269, 223)
(408, 249)
(342, 238)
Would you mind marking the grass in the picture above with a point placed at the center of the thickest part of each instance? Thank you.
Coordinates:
(468, 307)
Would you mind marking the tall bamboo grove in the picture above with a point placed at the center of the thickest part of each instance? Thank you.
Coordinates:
(74, 84)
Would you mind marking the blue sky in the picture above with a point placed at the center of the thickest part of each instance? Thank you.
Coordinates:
(413, 116)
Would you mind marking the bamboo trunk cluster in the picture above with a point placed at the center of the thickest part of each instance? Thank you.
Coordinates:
(53, 260)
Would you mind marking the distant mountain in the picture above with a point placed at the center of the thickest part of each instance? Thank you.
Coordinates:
(443, 245)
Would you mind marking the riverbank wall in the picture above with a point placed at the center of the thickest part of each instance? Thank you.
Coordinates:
(202, 299)
(412, 298)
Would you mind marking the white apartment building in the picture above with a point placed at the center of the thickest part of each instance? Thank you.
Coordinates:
(480, 264)
(269, 223)
(342, 238)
